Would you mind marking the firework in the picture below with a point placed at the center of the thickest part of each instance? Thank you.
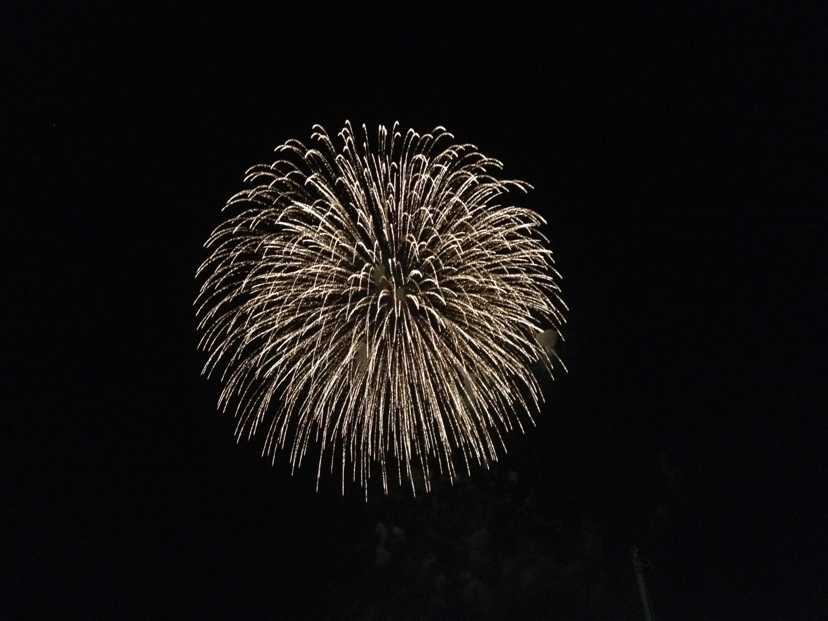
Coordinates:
(380, 303)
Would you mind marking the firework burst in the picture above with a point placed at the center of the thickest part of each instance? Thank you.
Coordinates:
(379, 302)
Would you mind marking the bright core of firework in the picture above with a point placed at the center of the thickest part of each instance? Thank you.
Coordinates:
(380, 302)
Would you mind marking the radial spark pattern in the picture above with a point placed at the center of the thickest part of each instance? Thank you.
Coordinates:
(378, 302)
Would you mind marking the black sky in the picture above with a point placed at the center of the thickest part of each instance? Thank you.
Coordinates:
(679, 156)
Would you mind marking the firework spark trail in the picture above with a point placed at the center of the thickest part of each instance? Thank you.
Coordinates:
(384, 299)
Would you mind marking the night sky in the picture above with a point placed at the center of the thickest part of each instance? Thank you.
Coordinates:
(680, 158)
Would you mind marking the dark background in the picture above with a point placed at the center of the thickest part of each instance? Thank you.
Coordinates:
(679, 156)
